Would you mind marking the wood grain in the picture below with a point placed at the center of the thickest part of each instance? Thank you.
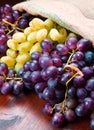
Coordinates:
(25, 112)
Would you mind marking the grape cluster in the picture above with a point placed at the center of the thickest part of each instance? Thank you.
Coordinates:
(22, 44)
(11, 21)
(63, 75)
(9, 82)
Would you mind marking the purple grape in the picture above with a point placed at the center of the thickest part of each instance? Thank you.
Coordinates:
(3, 69)
(54, 54)
(60, 71)
(81, 64)
(6, 88)
(35, 55)
(81, 110)
(58, 119)
(70, 115)
(82, 93)
(90, 84)
(71, 92)
(92, 116)
(18, 87)
(71, 42)
(1, 31)
(2, 10)
(26, 66)
(60, 94)
(58, 108)
(4, 27)
(7, 9)
(23, 23)
(45, 61)
(87, 71)
(11, 73)
(89, 57)
(48, 94)
(1, 81)
(57, 61)
(8, 18)
(51, 71)
(26, 76)
(46, 45)
(74, 64)
(64, 59)
(16, 14)
(52, 83)
(65, 77)
(20, 72)
(47, 109)
(3, 39)
(71, 103)
(89, 103)
(92, 94)
(39, 87)
(84, 45)
(40, 95)
(79, 55)
(36, 76)
(34, 65)
(3, 48)
(79, 81)
(62, 49)
(44, 75)
(29, 85)
(92, 124)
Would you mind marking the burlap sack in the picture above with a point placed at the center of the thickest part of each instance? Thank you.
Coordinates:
(75, 15)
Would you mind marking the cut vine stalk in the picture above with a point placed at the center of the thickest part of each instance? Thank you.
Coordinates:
(12, 25)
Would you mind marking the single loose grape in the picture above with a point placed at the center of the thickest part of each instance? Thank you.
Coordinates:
(19, 37)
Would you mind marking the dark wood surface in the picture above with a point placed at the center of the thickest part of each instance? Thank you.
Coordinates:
(25, 112)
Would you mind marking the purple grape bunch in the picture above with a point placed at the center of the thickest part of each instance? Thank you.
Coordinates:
(63, 75)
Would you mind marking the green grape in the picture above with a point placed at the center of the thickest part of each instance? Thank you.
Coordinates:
(8, 60)
(19, 37)
(25, 46)
(22, 58)
(11, 53)
(13, 44)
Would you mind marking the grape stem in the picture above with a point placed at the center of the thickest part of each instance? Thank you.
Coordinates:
(73, 51)
(13, 25)
(75, 69)
(8, 78)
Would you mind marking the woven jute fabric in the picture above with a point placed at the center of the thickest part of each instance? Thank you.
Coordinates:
(75, 15)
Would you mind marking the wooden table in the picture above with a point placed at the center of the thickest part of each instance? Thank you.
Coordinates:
(25, 112)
